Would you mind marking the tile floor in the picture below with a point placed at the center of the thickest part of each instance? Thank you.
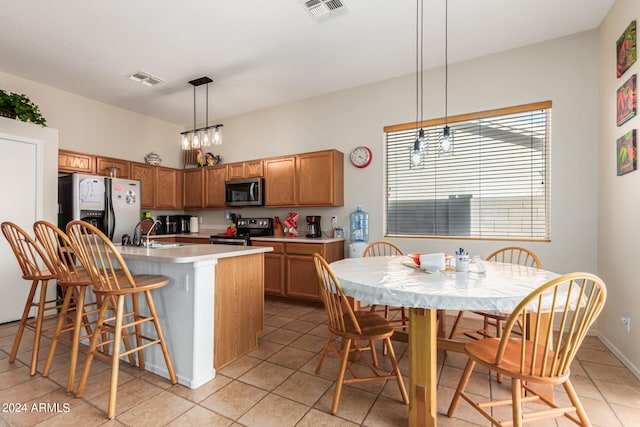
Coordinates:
(275, 385)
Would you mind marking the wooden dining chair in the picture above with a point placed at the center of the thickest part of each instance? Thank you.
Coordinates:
(509, 255)
(382, 248)
(35, 267)
(571, 304)
(113, 283)
(352, 327)
(75, 280)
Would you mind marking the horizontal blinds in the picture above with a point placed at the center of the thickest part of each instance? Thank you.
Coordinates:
(493, 185)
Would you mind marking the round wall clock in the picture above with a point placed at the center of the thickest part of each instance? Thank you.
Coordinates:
(361, 156)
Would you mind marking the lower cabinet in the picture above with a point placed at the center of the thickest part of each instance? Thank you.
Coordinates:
(290, 271)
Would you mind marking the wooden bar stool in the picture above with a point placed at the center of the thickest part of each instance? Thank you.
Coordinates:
(76, 280)
(113, 283)
(35, 267)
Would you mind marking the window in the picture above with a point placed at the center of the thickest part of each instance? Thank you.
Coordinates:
(495, 184)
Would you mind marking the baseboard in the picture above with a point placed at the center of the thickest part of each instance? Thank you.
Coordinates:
(613, 349)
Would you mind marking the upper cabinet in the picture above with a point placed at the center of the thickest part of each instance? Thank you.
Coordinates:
(104, 166)
(308, 179)
(320, 178)
(161, 187)
(248, 169)
(70, 161)
(214, 178)
(193, 195)
(146, 174)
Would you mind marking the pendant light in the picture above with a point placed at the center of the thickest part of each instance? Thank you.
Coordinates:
(201, 137)
(446, 140)
(420, 144)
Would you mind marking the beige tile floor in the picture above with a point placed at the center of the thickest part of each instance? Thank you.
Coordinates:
(275, 385)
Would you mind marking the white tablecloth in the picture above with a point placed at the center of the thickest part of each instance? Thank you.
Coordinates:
(385, 280)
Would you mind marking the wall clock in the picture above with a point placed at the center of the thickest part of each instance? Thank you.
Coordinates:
(361, 157)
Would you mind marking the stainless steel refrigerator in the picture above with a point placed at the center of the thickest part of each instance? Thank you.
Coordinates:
(111, 204)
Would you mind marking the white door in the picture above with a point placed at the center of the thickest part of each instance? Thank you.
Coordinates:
(21, 203)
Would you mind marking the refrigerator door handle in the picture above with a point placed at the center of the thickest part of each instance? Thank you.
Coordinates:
(110, 217)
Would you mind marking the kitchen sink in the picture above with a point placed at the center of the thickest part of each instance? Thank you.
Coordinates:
(157, 245)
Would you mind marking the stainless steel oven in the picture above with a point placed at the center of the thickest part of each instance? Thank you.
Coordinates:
(246, 228)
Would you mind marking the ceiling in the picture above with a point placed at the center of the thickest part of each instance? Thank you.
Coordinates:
(259, 53)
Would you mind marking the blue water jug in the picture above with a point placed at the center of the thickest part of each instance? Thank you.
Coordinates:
(359, 221)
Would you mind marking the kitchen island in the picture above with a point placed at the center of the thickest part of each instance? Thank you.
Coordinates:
(212, 310)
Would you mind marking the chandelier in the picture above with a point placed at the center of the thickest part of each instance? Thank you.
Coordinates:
(204, 136)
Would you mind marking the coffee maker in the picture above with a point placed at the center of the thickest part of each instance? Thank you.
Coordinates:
(313, 226)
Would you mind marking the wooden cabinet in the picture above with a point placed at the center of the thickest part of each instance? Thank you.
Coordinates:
(280, 181)
(193, 195)
(248, 169)
(104, 165)
(161, 187)
(320, 178)
(70, 161)
(290, 271)
(214, 178)
(146, 174)
(168, 188)
(199, 240)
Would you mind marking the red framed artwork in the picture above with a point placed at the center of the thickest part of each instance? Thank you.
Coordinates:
(626, 153)
(626, 101)
(626, 49)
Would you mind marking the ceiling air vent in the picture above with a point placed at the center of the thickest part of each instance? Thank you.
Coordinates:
(145, 78)
(324, 9)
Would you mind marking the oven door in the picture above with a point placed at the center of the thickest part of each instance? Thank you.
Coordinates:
(229, 240)
(243, 192)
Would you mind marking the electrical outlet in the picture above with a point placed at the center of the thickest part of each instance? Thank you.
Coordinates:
(334, 221)
(626, 321)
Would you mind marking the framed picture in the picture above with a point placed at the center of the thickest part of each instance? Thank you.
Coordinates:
(626, 49)
(626, 102)
(626, 152)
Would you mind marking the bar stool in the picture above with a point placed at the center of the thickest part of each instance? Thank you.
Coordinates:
(113, 282)
(76, 280)
(31, 258)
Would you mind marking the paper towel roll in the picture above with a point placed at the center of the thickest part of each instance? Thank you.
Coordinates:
(433, 262)
(193, 224)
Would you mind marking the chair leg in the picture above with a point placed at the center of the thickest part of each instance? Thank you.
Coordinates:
(54, 342)
(324, 353)
(81, 318)
(575, 401)
(456, 324)
(115, 358)
(36, 339)
(516, 396)
(464, 379)
(346, 346)
(97, 333)
(137, 328)
(23, 321)
(163, 344)
(374, 356)
(396, 369)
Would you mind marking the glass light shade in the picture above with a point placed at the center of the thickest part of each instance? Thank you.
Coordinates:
(185, 141)
(446, 144)
(217, 136)
(206, 138)
(195, 140)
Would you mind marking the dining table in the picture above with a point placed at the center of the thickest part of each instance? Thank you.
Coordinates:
(398, 281)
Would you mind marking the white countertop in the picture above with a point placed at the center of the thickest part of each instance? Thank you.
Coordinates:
(187, 252)
(298, 239)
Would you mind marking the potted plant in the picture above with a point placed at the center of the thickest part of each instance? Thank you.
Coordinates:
(19, 106)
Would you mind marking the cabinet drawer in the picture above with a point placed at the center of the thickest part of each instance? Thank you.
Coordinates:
(278, 247)
(304, 248)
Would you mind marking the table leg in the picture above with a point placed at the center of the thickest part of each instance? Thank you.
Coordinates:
(422, 367)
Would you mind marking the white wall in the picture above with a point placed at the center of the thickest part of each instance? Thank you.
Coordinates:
(563, 71)
(93, 127)
(619, 205)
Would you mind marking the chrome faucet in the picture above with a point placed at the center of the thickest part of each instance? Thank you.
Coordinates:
(137, 241)
(147, 242)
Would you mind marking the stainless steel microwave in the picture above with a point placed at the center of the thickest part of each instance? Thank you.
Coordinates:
(243, 192)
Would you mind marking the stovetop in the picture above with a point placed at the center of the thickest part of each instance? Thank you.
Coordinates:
(251, 227)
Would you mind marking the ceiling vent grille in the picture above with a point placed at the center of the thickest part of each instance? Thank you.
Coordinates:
(324, 9)
(145, 78)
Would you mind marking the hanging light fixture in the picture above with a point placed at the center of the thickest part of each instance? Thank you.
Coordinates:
(446, 139)
(201, 137)
(420, 144)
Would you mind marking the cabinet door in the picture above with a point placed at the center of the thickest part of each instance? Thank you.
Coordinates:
(320, 178)
(214, 178)
(193, 188)
(253, 169)
(147, 176)
(273, 267)
(104, 165)
(168, 188)
(302, 279)
(279, 181)
(69, 161)
(235, 170)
